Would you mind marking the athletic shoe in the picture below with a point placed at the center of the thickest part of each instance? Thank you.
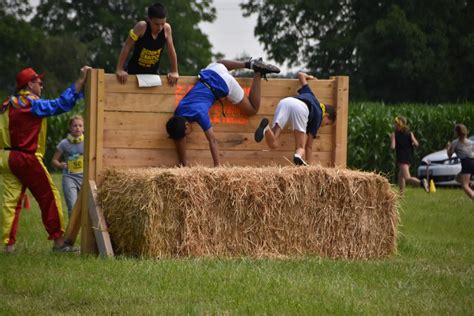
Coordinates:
(65, 249)
(10, 249)
(298, 160)
(425, 185)
(259, 133)
(258, 65)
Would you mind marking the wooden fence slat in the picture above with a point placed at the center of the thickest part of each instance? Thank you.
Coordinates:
(226, 141)
(136, 158)
(157, 122)
(271, 88)
(164, 103)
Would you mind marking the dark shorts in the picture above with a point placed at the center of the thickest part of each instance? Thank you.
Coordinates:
(467, 166)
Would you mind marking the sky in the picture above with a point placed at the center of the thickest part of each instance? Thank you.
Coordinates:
(231, 33)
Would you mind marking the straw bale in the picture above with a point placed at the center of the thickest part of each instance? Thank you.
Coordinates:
(249, 211)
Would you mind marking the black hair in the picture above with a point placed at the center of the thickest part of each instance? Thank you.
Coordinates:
(176, 127)
(331, 111)
(157, 10)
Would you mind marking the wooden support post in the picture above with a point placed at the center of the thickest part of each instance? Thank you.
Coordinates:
(74, 224)
(98, 223)
(93, 87)
(342, 111)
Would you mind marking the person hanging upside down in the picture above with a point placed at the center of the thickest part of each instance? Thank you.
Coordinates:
(215, 82)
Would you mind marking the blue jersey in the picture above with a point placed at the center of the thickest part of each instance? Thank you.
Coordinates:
(315, 113)
(196, 103)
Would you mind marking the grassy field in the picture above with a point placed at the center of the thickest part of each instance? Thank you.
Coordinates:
(432, 274)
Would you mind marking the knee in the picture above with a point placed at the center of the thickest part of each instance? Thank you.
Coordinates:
(252, 111)
(272, 145)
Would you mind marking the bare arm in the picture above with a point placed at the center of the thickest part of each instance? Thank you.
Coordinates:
(392, 141)
(308, 150)
(181, 149)
(173, 76)
(413, 140)
(56, 162)
(450, 150)
(82, 78)
(213, 146)
(139, 29)
(303, 77)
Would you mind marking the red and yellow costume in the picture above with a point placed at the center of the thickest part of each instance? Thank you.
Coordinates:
(22, 145)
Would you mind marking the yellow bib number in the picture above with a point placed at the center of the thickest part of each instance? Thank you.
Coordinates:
(76, 165)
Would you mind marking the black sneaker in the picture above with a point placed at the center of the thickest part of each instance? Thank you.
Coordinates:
(425, 185)
(298, 160)
(259, 133)
(258, 65)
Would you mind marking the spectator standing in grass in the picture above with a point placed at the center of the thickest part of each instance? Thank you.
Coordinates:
(403, 142)
(464, 149)
(72, 151)
(22, 144)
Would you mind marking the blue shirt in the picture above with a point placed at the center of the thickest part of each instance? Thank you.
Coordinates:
(315, 112)
(65, 103)
(196, 103)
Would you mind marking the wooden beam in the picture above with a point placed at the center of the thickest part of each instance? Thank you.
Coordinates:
(99, 132)
(88, 243)
(74, 224)
(98, 223)
(342, 111)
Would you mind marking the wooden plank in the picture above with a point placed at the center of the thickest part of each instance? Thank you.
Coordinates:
(342, 110)
(88, 243)
(98, 223)
(134, 158)
(226, 141)
(165, 103)
(157, 122)
(99, 133)
(74, 224)
(270, 88)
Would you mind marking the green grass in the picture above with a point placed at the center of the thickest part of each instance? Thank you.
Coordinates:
(432, 274)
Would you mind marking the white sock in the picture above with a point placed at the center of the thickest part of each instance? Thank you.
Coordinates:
(266, 129)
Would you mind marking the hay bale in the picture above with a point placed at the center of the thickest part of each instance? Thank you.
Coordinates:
(248, 211)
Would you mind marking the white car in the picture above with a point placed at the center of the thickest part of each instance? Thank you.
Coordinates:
(440, 168)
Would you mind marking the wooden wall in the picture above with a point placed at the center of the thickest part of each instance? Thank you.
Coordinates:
(130, 124)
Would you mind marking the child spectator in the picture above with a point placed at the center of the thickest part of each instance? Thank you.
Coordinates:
(72, 151)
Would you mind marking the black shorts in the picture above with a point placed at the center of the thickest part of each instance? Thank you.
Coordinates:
(467, 166)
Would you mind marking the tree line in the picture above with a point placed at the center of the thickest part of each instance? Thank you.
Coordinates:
(393, 50)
